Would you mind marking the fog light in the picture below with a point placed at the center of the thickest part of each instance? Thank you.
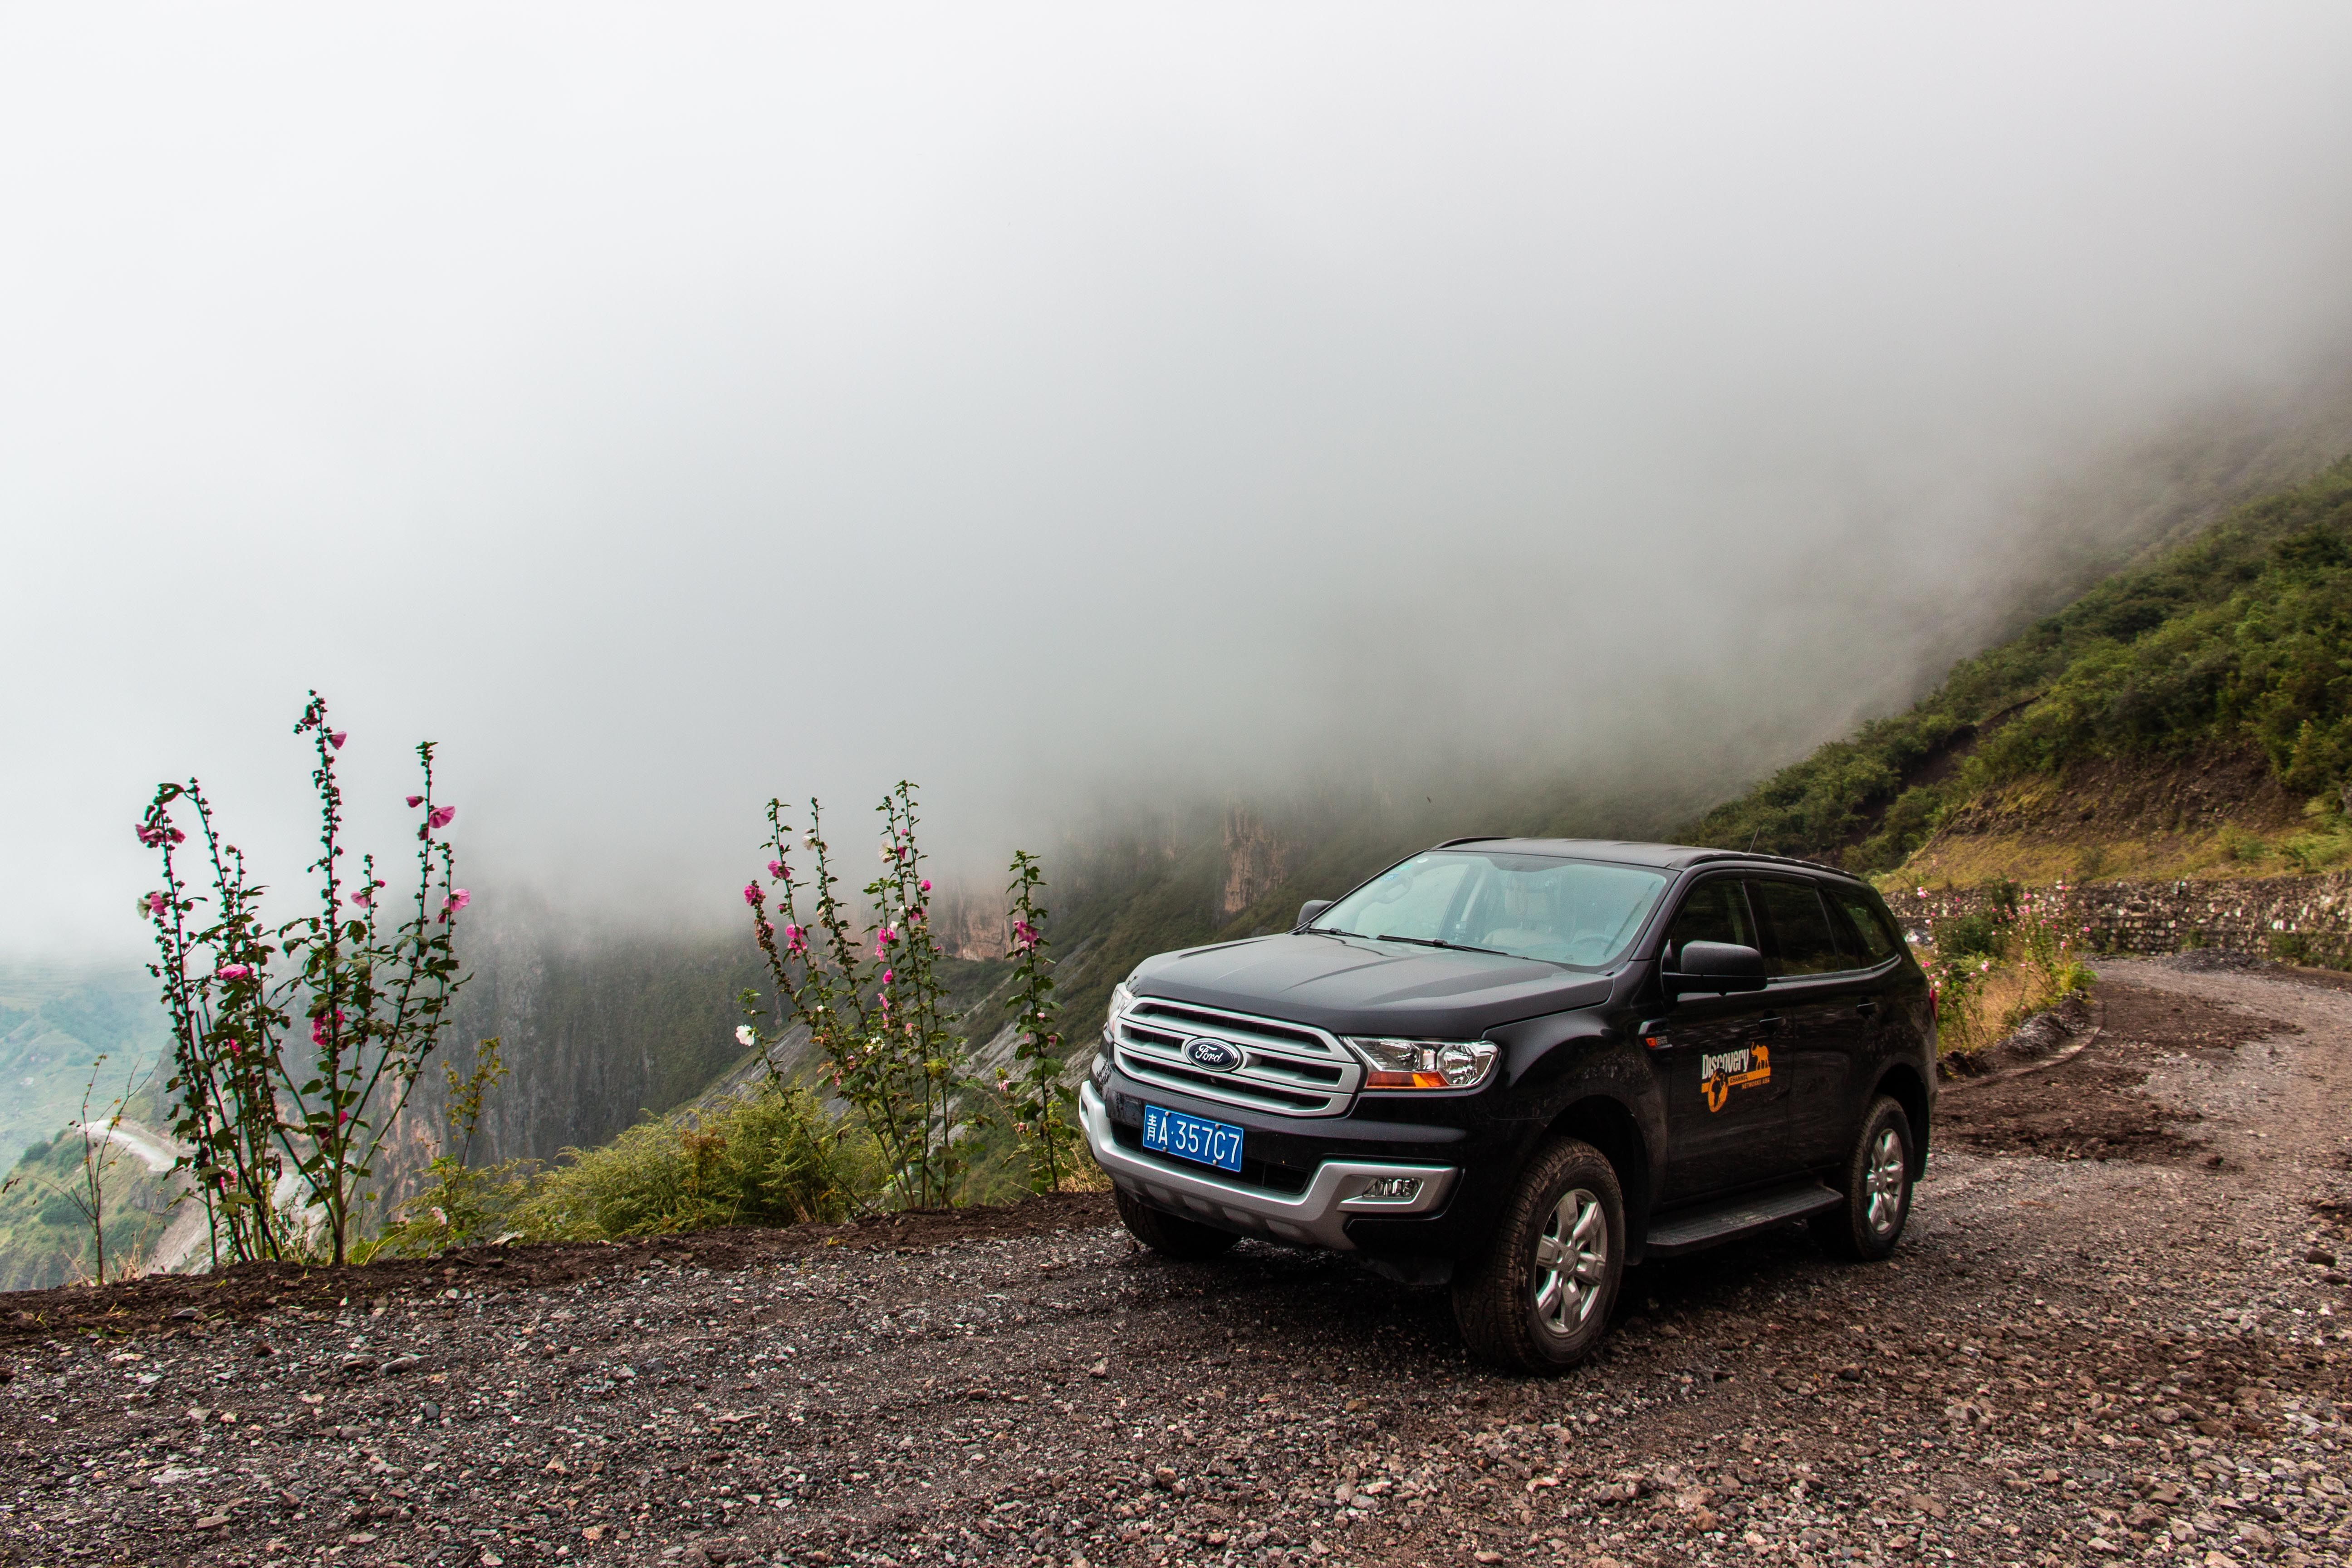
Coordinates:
(1392, 1189)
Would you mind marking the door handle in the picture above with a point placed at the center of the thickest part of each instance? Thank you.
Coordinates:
(1769, 1023)
(1866, 1006)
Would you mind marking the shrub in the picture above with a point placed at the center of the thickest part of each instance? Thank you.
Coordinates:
(872, 1000)
(463, 1204)
(771, 1158)
(1981, 935)
(374, 982)
(1982, 994)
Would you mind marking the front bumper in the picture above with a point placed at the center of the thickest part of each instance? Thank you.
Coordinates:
(1336, 1194)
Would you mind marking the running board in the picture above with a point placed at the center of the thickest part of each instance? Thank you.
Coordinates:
(1691, 1231)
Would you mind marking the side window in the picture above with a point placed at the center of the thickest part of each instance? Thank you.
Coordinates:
(1803, 941)
(1715, 911)
(1879, 943)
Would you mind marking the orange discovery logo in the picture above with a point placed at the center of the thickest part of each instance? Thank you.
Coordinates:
(1720, 1072)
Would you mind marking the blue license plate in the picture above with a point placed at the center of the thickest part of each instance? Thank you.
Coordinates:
(1192, 1138)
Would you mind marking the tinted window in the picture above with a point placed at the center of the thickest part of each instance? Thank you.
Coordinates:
(1581, 912)
(1870, 923)
(1803, 941)
(1716, 911)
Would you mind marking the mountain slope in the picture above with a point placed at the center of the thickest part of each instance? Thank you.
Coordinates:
(2230, 651)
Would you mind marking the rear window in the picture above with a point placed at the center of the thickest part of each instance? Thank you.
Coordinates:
(1803, 941)
(1870, 923)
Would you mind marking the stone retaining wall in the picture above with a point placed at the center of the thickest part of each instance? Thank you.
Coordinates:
(2306, 919)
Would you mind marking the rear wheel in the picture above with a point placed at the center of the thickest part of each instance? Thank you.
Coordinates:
(1866, 1226)
(1539, 1300)
(1169, 1236)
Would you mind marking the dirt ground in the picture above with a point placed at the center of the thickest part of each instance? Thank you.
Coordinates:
(2094, 1343)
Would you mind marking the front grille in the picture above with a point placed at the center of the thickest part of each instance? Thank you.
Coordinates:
(1287, 1180)
(1286, 1067)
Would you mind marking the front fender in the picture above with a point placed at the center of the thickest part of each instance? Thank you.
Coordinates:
(1588, 1073)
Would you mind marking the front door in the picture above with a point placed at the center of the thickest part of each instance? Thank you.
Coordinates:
(1724, 1094)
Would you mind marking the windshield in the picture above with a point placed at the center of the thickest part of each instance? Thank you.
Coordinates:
(1580, 912)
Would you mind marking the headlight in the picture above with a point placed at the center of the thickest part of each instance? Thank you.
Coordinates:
(1427, 1064)
(1121, 999)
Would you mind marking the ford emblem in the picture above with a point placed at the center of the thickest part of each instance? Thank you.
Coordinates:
(1211, 1056)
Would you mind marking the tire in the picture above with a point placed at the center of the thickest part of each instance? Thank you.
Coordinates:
(1866, 1226)
(1185, 1240)
(1518, 1307)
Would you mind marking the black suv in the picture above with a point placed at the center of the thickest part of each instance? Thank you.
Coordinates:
(1523, 1064)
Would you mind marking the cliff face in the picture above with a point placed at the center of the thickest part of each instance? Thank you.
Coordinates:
(969, 922)
(1255, 860)
(595, 1033)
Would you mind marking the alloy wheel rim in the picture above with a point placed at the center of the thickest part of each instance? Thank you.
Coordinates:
(1572, 1261)
(1885, 1182)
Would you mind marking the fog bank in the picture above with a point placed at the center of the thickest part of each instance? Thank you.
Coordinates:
(666, 409)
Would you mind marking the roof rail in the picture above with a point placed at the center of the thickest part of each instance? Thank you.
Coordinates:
(1473, 838)
(1711, 855)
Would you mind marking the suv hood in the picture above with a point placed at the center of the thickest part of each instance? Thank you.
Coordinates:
(1354, 985)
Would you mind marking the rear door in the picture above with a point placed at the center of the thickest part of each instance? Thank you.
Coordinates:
(1876, 949)
(1724, 1102)
(1818, 976)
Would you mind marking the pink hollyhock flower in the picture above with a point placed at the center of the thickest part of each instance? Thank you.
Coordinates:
(927, 884)
(888, 975)
(796, 941)
(458, 900)
(156, 905)
(414, 801)
(335, 738)
(441, 816)
(780, 871)
(751, 894)
(235, 971)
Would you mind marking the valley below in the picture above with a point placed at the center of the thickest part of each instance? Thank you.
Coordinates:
(2091, 1346)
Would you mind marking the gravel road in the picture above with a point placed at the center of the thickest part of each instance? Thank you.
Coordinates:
(2116, 1331)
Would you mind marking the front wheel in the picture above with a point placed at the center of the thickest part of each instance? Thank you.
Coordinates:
(1539, 1299)
(1169, 1236)
(1866, 1226)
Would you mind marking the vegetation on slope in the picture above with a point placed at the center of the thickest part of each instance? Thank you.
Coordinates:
(2239, 639)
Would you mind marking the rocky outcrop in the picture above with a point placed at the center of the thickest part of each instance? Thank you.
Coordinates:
(968, 923)
(1255, 859)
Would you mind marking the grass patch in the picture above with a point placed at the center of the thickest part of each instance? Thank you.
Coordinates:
(1995, 969)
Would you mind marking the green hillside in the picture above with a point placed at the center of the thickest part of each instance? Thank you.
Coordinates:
(2230, 653)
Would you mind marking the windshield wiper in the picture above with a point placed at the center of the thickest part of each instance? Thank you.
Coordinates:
(1448, 946)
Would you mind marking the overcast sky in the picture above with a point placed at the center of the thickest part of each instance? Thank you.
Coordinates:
(664, 406)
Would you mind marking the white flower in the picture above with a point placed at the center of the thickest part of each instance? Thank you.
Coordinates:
(745, 1037)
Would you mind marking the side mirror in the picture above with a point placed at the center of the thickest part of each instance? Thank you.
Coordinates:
(1717, 967)
(1310, 908)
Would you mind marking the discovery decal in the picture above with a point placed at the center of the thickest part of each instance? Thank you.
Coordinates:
(1720, 1072)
